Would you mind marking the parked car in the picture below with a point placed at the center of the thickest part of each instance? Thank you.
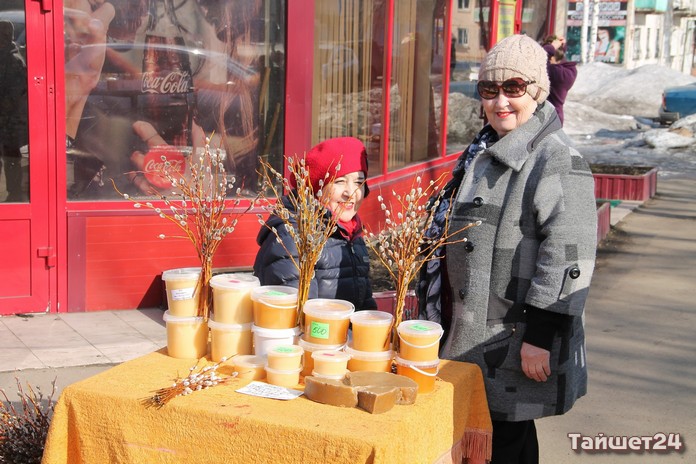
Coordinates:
(677, 103)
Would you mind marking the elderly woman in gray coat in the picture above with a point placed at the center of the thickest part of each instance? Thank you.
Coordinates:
(511, 298)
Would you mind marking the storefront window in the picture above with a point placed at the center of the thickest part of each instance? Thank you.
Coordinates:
(416, 81)
(170, 72)
(348, 73)
(14, 149)
(349, 70)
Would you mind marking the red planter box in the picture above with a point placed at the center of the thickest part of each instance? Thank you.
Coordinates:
(603, 220)
(618, 186)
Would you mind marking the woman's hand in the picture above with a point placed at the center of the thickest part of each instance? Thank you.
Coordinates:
(145, 177)
(535, 362)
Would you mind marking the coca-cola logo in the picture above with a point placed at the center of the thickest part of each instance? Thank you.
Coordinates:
(155, 169)
(172, 83)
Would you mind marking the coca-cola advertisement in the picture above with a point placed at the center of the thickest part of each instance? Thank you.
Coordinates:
(149, 80)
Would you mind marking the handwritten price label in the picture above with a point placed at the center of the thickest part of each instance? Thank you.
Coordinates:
(319, 330)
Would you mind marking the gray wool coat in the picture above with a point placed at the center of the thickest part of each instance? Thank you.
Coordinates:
(536, 246)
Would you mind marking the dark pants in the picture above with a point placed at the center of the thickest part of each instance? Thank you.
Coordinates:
(515, 443)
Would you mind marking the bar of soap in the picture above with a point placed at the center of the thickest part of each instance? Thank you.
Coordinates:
(377, 400)
(330, 391)
(365, 380)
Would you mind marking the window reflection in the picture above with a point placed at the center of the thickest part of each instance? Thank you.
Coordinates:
(14, 155)
(171, 72)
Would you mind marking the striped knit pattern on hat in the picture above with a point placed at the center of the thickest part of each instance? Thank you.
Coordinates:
(518, 56)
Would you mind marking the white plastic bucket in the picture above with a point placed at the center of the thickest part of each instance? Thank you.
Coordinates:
(182, 291)
(310, 348)
(265, 339)
(419, 340)
(371, 330)
(275, 306)
(249, 366)
(422, 372)
(187, 337)
(283, 377)
(232, 298)
(227, 340)
(374, 361)
(327, 320)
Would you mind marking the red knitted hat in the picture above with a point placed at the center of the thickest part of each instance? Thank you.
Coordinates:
(348, 153)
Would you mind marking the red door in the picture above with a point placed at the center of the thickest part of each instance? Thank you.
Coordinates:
(27, 153)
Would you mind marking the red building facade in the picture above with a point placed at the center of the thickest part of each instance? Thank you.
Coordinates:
(269, 78)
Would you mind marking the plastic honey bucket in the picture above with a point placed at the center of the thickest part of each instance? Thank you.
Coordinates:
(265, 339)
(419, 340)
(374, 361)
(327, 321)
(249, 366)
(227, 340)
(285, 357)
(309, 348)
(371, 330)
(421, 372)
(182, 291)
(232, 298)
(330, 363)
(275, 306)
(283, 377)
(187, 337)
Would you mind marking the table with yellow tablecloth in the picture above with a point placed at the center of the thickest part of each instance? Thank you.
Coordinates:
(102, 420)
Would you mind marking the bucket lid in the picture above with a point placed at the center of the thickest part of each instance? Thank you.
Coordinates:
(168, 317)
(419, 364)
(309, 346)
(184, 273)
(249, 360)
(371, 317)
(283, 371)
(327, 308)
(331, 356)
(285, 351)
(369, 355)
(234, 281)
(275, 294)
(229, 327)
(275, 333)
(418, 328)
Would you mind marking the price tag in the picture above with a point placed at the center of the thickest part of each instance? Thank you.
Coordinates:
(319, 330)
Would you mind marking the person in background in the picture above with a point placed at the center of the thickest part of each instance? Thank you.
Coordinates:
(13, 112)
(342, 271)
(512, 297)
(562, 73)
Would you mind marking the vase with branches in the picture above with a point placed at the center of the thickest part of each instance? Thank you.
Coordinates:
(304, 215)
(404, 244)
(198, 205)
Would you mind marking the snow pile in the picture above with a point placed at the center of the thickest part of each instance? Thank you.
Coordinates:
(614, 90)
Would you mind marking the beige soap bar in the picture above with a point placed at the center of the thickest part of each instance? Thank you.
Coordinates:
(365, 380)
(375, 392)
(329, 391)
(377, 400)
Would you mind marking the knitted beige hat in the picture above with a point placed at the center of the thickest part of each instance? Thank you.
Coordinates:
(518, 56)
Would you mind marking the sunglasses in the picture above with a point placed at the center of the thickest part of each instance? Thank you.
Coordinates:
(512, 88)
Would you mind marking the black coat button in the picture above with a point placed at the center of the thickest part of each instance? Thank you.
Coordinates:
(462, 293)
(478, 201)
(574, 273)
(468, 246)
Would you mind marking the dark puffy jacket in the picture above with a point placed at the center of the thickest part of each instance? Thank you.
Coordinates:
(342, 271)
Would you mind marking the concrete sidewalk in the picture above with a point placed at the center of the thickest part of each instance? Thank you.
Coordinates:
(640, 322)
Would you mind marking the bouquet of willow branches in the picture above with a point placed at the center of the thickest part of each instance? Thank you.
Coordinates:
(305, 217)
(23, 434)
(197, 204)
(403, 246)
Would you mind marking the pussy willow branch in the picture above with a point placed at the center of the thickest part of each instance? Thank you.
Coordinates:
(312, 225)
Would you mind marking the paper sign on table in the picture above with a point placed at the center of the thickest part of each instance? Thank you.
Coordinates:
(265, 390)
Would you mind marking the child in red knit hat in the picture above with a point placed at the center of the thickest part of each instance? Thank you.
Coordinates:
(338, 168)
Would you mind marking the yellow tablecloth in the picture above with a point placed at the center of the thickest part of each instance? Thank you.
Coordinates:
(101, 420)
